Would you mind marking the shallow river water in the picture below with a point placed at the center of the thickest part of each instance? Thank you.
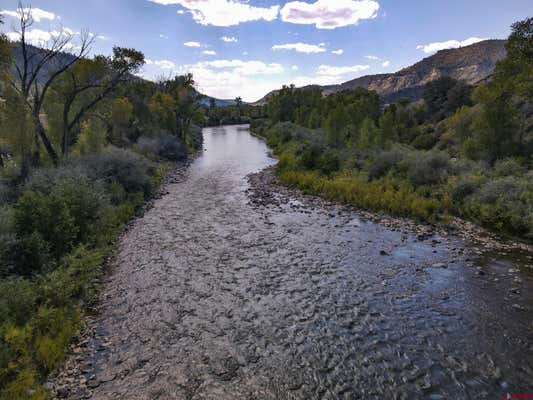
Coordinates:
(212, 297)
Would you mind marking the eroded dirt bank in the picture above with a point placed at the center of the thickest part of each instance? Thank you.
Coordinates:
(229, 289)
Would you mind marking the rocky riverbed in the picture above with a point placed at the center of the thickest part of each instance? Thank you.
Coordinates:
(233, 287)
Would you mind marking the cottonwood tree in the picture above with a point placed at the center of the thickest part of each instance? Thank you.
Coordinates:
(90, 82)
(177, 103)
(38, 68)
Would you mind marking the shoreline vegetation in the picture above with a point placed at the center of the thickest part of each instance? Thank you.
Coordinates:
(84, 146)
(464, 151)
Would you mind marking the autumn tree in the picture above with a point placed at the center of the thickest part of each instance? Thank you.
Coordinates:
(30, 79)
(89, 82)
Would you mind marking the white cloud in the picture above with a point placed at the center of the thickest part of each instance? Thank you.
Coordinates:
(163, 36)
(375, 58)
(294, 68)
(338, 52)
(192, 44)
(36, 13)
(301, 47)
(102, 37)
(210, 52)
(450, 44)
(223, 12)
(229, 39)
(39, 37)
(163, 64)
(329, 14)
(227, 79)
(244, 53)
(181, 12)
(385, 63)
(328, 70)
(330, 75)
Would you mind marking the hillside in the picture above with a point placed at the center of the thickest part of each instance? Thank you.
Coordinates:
(471, 63)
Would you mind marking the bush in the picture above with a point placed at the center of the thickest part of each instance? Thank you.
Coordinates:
(427, 168)
(329, 162)
(52, 217)
(504, 204)
(508, 167)
(385, 162)
(463, 189)
(164, 147)
(123, 167)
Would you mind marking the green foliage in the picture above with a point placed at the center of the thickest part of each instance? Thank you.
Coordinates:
(444, 96)
(464, 150)
(165, 147)
(119, 166)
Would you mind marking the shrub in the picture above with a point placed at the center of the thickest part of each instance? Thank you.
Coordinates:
(385, 162)
(463, 189)
(48, 223)
(507, 167)
(427, 168)
(130, 170)
(165, 147)
(329, 162)
(503, 204)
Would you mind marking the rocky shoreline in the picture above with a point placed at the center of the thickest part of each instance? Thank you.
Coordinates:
(266, 190)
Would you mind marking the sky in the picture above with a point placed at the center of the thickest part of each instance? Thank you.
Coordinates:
(247, 48)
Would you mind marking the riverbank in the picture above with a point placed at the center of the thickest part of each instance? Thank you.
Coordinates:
(69, 381)
(265, 183)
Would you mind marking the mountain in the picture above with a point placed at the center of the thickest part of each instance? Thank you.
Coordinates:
(472, 64)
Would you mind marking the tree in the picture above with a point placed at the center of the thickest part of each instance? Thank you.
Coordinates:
(444, 96)
(238, 103)
(180, 102)
(95, 79)
(30, 80)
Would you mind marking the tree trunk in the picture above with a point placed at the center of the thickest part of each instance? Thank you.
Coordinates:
(44, 138)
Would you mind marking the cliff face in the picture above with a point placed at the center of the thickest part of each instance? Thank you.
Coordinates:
(471, 63)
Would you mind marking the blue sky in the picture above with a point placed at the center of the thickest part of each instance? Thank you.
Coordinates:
(247, 48)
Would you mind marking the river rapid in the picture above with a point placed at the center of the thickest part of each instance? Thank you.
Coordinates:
(213, 295)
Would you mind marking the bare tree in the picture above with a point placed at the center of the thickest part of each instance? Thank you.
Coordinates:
(32, 82)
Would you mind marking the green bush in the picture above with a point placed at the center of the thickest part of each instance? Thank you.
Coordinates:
(48, 225)
(427, 168)
(124, 167)
(164, 147)
(384, 163)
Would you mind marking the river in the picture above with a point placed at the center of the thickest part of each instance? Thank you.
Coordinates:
(212, 297)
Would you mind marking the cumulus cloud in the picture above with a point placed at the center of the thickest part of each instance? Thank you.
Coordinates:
(329, 14)
(301, 47)
(163, 64)
(223, 12)
(229, 39)
(39, 37)
(162, 36)
(226, 78)
(329, 70)
(210, 52)
(449, 44)
(338, 52)
(370, 57)
(385, 63)
(192, 44)
(330, 75)
(294, 68)
(36, 13)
